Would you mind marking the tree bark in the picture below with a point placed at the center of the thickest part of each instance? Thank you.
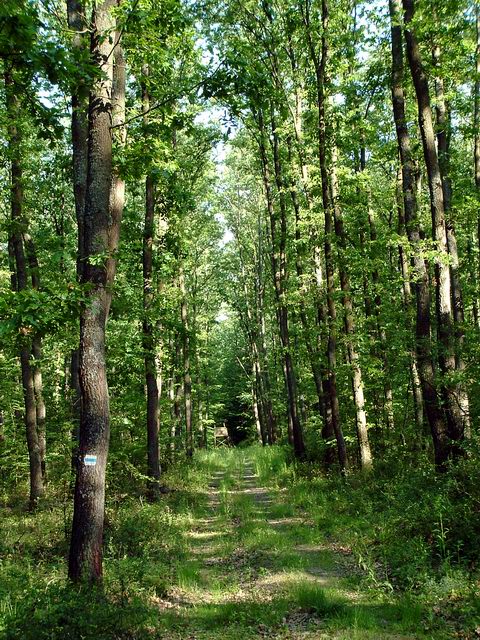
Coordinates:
(349, 323)
(443, 145)
(278, 234)
(426, 367)
(319, 62)
(34, 269)
(187, 378)
(151, 374)
(451, 391)
(79, 128)
(403, 253)
(103, 209)
(476, 154)
(20, 281)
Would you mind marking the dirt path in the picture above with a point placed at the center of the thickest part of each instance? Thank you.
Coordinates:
(257, 569)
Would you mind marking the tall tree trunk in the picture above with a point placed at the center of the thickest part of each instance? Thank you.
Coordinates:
(270, 417)
(279, 238)
(187, 379)
(349, 323)
(443, 145)
(103, 209)
(319, 62)
(20, 280)
(387, 404)
(34, 269)
(257, 411)
(451, 391)
(318, 369)
(313, 355)
(426, 367)
(476, 154)
(407, 301)
(153, 416)
(476, 114)
(79, 127)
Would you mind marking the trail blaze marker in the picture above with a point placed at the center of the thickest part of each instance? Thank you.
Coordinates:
(90, 460)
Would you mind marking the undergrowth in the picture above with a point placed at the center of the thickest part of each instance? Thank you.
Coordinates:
(172, 572)
(410, 530)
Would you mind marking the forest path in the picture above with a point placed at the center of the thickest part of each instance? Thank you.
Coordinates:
(255, 568)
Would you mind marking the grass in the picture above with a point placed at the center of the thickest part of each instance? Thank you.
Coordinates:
(216, 559)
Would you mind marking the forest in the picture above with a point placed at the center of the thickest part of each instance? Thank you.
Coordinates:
(239, 319)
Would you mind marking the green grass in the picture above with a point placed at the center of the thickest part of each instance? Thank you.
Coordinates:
(238, 567)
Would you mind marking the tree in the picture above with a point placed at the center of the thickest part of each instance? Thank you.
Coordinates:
(103, 209)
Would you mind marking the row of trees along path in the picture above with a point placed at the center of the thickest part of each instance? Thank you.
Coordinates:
(298, 258)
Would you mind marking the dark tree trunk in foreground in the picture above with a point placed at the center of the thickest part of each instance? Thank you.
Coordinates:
(103, 208)
(153, 415)
(20, 281)
(452, 392)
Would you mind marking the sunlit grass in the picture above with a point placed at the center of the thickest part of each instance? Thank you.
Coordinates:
(216, 558)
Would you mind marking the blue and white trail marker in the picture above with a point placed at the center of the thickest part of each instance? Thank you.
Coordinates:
(90, 460)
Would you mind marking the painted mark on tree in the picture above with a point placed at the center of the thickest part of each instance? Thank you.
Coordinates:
(90, 460)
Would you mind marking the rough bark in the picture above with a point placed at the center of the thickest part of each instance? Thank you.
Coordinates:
(252, 320)
(103, 209)
(313, 355)
(476, 154)
(270, 417)
(319, 61)
(326, 313)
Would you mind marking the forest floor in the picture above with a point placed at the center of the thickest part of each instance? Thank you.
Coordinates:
(226, 554)
(258, 568)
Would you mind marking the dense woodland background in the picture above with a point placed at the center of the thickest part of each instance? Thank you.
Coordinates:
(275, 204)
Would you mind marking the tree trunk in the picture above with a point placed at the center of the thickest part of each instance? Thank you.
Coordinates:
(103, 208)
(270, 417)
(79, 127)
(451, 391)
(320, 64)
(349, 323)
(153, 416)
(407, 301)
(20, 280)
(443, 145)
(279, 239)
(278, 258)
(187, 379)
(313, 355)
(426, 368)
(319, 371)
(476, 155)
(34, 269)
(257, 412)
